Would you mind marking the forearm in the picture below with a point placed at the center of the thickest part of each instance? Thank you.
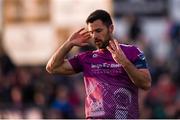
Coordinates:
(59, 56)
(141, 79)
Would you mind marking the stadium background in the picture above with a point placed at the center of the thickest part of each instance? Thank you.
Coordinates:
(31, 30)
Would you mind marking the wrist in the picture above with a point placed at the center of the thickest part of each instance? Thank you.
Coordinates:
(69, 43)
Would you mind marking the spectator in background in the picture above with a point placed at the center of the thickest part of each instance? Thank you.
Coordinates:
(61, 103)
(135, 30)
(7, 78)
(6, 65)
(174, 35)
(162, 98)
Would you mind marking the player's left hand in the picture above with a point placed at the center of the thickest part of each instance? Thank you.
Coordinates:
(117, 53)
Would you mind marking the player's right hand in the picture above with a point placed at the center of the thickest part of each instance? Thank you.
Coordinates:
(80, 38)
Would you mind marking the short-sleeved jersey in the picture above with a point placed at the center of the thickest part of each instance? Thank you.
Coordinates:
(109, 91)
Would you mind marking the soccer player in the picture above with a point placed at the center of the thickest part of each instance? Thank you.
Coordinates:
(112, 74)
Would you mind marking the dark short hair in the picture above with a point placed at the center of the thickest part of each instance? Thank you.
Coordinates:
(101, 15)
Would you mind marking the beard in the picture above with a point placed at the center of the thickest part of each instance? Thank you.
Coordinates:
(102, 44)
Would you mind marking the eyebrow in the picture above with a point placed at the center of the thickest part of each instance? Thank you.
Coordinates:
(96, 29)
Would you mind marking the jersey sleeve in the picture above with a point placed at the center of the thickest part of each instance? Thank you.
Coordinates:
(76, 63)
(139, 59)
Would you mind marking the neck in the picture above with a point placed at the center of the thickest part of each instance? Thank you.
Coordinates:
(102, 49)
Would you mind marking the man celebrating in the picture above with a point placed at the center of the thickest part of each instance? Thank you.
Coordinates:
(112, 74)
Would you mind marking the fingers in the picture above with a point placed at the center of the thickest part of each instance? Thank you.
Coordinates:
(84, 44)
(86, 38)
(86, 35)
(116, 44)
(110, 49)
(118, 47)
(113, 46)
(80, 30)
(86, 32)
(83, 32)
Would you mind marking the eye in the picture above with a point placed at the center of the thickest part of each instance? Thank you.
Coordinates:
(98, 30)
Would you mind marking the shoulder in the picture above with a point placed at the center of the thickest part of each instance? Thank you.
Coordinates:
(85, 54)
(126, 46)
(131, 51)
(130, 48)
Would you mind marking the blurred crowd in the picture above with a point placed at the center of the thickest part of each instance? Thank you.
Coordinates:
(30, 92)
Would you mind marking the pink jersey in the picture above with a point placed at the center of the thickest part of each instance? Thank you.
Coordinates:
(109, 91)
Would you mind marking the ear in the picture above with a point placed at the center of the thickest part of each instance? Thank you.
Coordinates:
(111, 28)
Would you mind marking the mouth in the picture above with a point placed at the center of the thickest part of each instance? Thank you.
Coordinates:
(97, 41)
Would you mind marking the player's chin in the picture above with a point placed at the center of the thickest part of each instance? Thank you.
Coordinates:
(98, 45)
(101, 46)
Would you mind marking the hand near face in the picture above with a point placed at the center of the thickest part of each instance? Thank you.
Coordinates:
(117, 53)
(80, 37)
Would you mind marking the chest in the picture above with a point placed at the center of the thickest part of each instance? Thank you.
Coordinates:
(102, 64)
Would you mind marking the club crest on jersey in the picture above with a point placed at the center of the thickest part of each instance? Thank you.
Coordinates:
(94, 55)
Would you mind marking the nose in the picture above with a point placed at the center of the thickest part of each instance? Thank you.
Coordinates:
(94, 35)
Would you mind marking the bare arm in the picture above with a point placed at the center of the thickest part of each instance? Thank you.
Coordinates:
(140, 77)
(57, 63)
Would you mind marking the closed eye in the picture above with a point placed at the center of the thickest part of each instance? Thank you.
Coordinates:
(98, 30)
